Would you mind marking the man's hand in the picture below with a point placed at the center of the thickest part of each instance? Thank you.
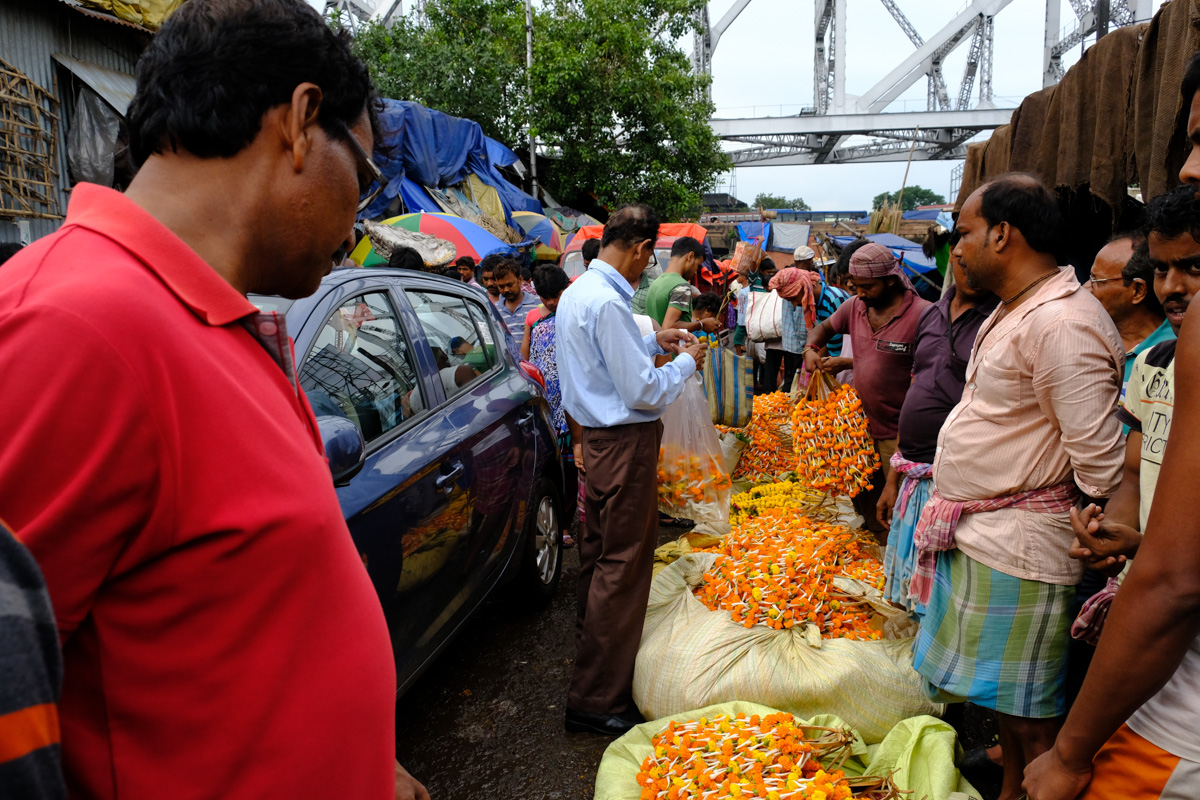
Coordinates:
(578, 450)
(709, 325)
(698, 351)
(887, 501)
(1048, 778)
(1101, 545)
(812, 361)
(408, 787)
(835, 364)
(673, 339)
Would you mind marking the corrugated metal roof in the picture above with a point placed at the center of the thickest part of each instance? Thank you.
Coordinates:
(117, 88)
(106, 17)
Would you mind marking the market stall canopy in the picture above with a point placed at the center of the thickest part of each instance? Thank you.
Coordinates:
(1114, 120)
(468, 238)
(540, 227)
(435, 150)
(148, 13)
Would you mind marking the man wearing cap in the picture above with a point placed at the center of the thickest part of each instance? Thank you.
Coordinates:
(882, 324)
(803, 258)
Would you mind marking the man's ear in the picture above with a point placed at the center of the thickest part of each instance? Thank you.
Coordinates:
(299, 121)
(1140, 290)
(1003, 236)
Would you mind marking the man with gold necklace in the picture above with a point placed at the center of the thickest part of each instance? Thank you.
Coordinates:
(1034, 432)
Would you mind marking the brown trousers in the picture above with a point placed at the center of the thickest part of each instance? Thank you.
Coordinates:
(616, 560)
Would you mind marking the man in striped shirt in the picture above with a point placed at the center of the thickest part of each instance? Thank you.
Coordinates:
(30, 679)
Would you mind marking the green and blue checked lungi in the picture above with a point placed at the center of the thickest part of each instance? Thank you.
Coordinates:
(900, 558)
(995, 640)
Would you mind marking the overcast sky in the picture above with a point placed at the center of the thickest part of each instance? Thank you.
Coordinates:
(751, 69)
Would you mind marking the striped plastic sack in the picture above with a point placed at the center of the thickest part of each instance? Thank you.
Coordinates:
(691, 657)
(729, 386)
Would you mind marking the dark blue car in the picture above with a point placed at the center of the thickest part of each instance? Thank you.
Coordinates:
(440, 444)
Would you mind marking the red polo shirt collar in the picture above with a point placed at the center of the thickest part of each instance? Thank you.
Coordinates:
(197, 285)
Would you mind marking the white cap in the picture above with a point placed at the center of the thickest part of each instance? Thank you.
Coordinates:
(803, 254)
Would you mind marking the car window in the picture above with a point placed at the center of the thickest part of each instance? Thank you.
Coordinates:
(461, 350)
(572, 264)
(360, 367)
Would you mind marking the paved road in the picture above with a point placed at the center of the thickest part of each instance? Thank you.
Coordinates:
(486, 721)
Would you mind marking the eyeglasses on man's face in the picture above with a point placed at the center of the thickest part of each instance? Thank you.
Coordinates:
(364, 161)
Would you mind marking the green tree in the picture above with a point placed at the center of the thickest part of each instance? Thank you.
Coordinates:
(913, 196)
(764, 200)
(616, 104)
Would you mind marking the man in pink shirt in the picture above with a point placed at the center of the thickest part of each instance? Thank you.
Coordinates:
(1036, 428)
(881, 322)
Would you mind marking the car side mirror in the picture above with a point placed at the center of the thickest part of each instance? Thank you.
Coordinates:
(344, 447)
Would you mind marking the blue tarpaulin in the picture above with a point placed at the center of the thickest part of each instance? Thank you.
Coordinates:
(749, 231)
(429, 148)
(906, 250)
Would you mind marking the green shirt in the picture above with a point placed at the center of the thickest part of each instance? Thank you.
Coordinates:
(669, 290)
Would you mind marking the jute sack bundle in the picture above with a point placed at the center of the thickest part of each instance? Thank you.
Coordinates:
(691, 657)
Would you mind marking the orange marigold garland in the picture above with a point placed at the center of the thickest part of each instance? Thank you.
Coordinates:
(769, 757)
(769, 455)
(835, 451)
(777, 570)
(689, 481)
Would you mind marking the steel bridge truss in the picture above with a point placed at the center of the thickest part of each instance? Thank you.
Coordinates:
(950, 120)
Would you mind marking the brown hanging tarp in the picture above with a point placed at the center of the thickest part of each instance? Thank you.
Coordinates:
(1103, 125)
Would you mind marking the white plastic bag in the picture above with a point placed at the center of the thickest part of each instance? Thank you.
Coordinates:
(692, 479)
(764, 318)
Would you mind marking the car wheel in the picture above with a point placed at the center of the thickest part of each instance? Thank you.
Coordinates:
(543, 544)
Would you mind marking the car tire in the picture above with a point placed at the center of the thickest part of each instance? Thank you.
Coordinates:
(542, 560)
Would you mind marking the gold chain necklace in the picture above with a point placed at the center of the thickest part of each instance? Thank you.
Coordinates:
(1013, 299)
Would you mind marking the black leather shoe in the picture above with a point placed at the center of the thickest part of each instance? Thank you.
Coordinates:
(604, 724)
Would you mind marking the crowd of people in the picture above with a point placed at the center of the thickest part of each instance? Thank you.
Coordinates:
(156, 592)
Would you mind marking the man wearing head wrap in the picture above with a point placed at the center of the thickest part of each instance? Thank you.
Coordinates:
(882, 324)
(810, 301)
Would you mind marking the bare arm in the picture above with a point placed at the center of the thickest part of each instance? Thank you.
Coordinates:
(1105, 540)
(525, 342)
(1156, 614)
(817, 337)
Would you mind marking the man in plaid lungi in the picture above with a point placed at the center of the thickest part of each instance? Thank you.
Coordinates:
(1035, 429)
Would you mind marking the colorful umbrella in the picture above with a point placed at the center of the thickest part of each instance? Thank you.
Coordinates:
(538, 226)
(468, 238)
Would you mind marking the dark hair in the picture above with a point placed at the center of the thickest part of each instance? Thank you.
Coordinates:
(406, 258)
(457, 342)
(217, 66)
(1174, 213)
(590, 249)
(1139, 266)
(488, 264)
(507, 266)
(452, 272)
(1024, 202)
(708, 301)
(8, 250)
(767, 262)
(843, 262)
(686, 244)
(526, 273)
(550, 281)
(465, 261)
(1191, 81)
(629, 225)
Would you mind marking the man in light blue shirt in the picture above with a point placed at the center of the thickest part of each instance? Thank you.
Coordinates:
(614, 396)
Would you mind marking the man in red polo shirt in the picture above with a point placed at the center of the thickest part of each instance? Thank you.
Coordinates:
(220, 636)
(882, 324)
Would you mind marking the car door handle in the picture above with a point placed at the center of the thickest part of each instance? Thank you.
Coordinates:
(525, 421)
(446, 481)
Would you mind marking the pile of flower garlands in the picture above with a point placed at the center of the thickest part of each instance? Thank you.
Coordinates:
(789, 496)
(690, 479)
(777, 570)
(769, 454)
(771, 757)
(835, 452)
